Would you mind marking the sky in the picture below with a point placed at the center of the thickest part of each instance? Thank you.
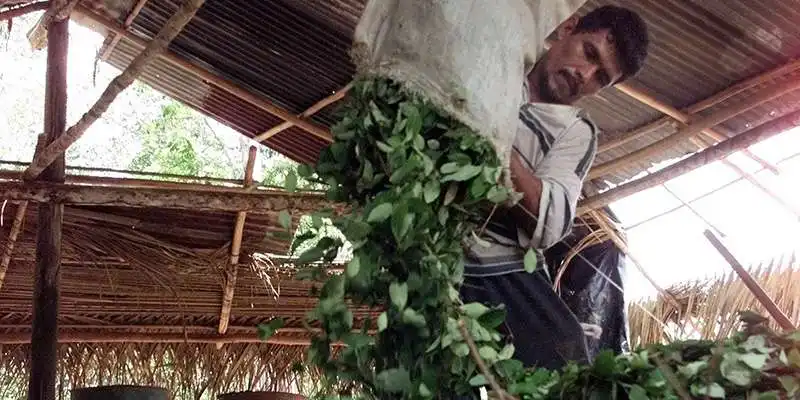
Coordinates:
(671, 247)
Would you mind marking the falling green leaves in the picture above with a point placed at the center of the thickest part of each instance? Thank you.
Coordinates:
(530, 261)
(265, 331)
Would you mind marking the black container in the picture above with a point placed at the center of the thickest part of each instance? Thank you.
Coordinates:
(120, 392)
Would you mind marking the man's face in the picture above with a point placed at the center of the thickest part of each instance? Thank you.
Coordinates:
(577, 65)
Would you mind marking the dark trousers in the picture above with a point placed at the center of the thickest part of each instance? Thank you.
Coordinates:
(542, 328)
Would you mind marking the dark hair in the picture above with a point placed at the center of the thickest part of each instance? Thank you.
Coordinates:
(629, 31)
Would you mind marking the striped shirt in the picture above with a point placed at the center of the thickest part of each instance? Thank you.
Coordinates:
(558, 144)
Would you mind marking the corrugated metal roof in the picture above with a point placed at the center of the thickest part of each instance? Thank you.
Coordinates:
(294, 53)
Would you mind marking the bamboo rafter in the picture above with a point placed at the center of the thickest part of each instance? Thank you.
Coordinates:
(694, 128)
(704, 104)
(157, 46)
(17, 12)
(697, 160)
(306, 114)
(137, 8)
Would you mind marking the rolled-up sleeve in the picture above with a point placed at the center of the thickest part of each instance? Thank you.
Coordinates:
(562, 173)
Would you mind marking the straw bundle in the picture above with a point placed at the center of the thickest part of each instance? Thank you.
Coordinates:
(706, 309)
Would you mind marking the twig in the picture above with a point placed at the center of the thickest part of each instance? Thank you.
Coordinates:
(473, 351)
(671, 378)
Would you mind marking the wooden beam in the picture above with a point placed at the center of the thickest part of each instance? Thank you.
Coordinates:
(23, 10)
(694, 128)
(704, 104)
(307, 113)
(646, 98)
(783, 321)
(215, 80)
(236, 245)
(157, 46)
(258, 202)
(107, 49)
(697, 160)
(44, 329)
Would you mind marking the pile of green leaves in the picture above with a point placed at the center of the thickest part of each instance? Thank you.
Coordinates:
(414, 177)
(756, 364)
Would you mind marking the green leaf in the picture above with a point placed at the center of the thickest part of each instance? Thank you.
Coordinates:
(384, 147)
(794, 358)
(530, 261)
(398, 292)
(754, 361)
(414, 318)
(305, 170)
(756, 343)
(692, 369)
(353, 267)
(432, 191)
(773, 395)
(311, 255)
(604, 364)
(424, 391)
(449, 168)
(265, 331)
(489, 354)
(401, 222)
(507, 352)
(713, 390)
(474, 310)
(460, 349)
(637, 393)
(493, 318)
(383, 321)
(464, 173)
(478, 380)
(285, 219)
(380, 213)
(735, 371)
(290, 184)
(394, 380)
(497, 194)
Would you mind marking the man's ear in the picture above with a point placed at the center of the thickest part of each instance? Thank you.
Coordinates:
(566, 28)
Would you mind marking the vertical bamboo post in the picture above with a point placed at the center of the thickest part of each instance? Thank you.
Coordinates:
(236, 245)
(44, 335)
(755, 288)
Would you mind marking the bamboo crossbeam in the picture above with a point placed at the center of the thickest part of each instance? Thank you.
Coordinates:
(207, 76)
(129, 337)
(751, 284)
(307, 113)
(227, 200)
(704, 104)
(714, 153)
(157, 46)
(649, 100)
(137, 8)
(694, 128)
(236, 245)
(17, 12)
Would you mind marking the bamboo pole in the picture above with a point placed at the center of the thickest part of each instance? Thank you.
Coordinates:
(196, 200)
(236, 245)
(23, 10)
(704, 104)
(157, 46)
(11, 241)
(44, 328)
(137, 8)
(696, 127)
(207, 76)
(307, 113)
(647, 99)
(783, 321)
(697, 160)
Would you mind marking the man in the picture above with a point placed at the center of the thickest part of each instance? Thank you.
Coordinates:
(554, 149)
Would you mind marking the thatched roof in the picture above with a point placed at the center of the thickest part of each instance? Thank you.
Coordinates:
(706, 308)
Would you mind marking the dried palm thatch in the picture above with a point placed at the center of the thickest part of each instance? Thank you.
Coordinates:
(706, 309)
(188, 371)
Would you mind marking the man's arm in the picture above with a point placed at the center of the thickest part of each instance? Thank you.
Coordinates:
(550, 193)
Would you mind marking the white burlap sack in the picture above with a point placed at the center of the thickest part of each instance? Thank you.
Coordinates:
(469, 57)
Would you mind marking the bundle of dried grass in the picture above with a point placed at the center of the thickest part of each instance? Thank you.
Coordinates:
(706, 309)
